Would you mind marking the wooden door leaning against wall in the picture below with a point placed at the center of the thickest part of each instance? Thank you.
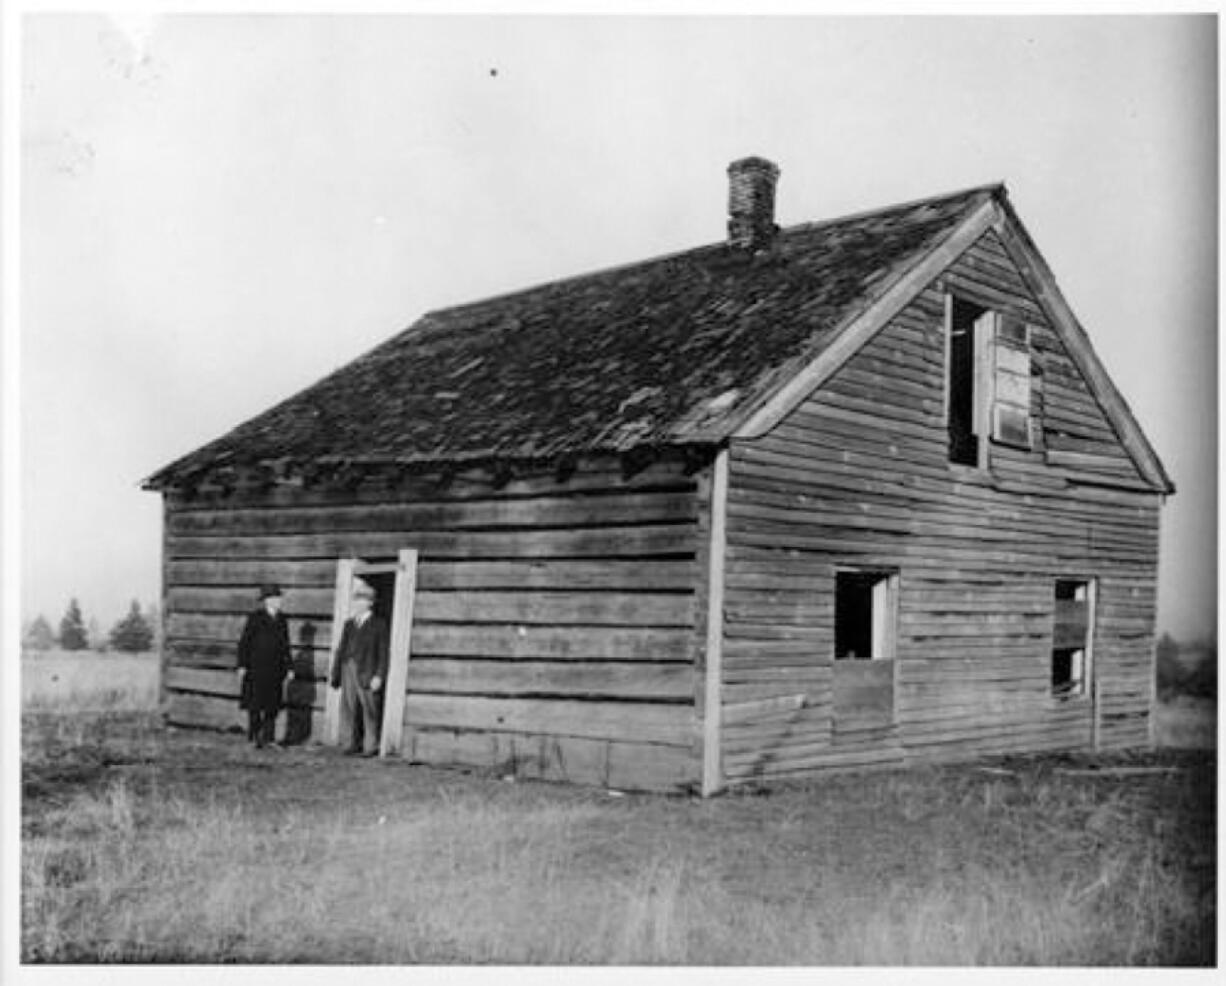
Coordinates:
(404, 572)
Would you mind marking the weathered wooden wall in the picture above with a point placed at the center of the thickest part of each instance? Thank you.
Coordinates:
(555, 623)
(859, 475)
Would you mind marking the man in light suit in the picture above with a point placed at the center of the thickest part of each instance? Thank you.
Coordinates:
(360, 671)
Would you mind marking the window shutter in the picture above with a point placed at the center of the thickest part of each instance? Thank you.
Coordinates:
(1010, 393)
(984, 340)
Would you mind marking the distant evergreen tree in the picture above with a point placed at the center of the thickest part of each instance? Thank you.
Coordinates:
(39, 635)
(72, 628)
(133, 633)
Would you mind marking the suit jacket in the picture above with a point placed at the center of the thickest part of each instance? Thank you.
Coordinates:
(367, 646)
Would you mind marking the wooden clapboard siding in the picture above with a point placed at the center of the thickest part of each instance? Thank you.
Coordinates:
(536, 607)
(670, 725)
(546, 611)
(858, 475)
(546, 512)
(645, 540)
(563, 573)
(581, 760)
(473, 483)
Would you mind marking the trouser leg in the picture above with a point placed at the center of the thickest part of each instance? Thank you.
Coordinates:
(269, 726)
(253, 724)
(349, 706)
(370, 719)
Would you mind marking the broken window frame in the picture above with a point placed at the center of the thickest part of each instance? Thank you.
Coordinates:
(882, 629)
(1072, 637)
(989, 365)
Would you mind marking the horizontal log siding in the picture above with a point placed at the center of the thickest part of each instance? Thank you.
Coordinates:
(554, 626)
(859, 475)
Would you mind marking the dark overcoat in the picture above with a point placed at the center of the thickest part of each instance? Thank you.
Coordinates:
(264, 651)
(366, 646)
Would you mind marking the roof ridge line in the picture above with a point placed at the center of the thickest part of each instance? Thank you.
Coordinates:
(993, 187)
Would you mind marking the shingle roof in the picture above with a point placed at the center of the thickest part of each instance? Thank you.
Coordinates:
(666, 352)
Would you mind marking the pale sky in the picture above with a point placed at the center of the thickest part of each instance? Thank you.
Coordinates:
(218, 210)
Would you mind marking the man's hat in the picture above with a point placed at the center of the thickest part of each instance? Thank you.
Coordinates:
(269, 589)
(363, 589)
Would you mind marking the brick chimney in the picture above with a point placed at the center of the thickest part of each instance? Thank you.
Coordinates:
(751, 203)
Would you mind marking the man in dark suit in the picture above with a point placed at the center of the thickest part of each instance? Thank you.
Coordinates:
(359, 672)
(264, 660)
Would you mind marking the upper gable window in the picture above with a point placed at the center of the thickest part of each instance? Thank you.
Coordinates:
(987, 381)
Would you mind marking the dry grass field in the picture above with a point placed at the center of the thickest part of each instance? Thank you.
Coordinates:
(88, 681)
(146, 844)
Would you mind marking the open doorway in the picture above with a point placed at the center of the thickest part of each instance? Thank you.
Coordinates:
(394, 585)
(384, 586)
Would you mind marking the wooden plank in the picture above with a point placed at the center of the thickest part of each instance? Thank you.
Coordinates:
(810, 759)
(537, 679)
(223, 683)
(672, 725)
(748, 711)
(314, 573)
(164, 603)
(340, 612)
(548, 607)
(390, 736)
(443, 515)
(576, 760)
(577, 643)
(636, 541)
(712, 779)
(604, 573)
(208, 681)
(208, 711)
(648, 767)
(556, 608)
(864, 689)
(224, 629)
(211, 639)
(592, 474)
(299, 603)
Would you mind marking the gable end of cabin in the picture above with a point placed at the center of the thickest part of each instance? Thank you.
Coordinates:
(945, 550)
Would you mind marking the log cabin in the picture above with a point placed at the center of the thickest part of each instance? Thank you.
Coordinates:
(843, 494)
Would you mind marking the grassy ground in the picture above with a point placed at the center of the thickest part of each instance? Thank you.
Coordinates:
(141, 843)
(88, 681)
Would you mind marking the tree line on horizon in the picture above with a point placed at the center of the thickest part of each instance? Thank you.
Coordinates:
(135, 633)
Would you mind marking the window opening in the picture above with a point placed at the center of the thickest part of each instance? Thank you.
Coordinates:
(962, 416)
(865, 615)
(1071, 637)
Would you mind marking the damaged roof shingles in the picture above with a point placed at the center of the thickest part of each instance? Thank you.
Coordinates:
(601, 362)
